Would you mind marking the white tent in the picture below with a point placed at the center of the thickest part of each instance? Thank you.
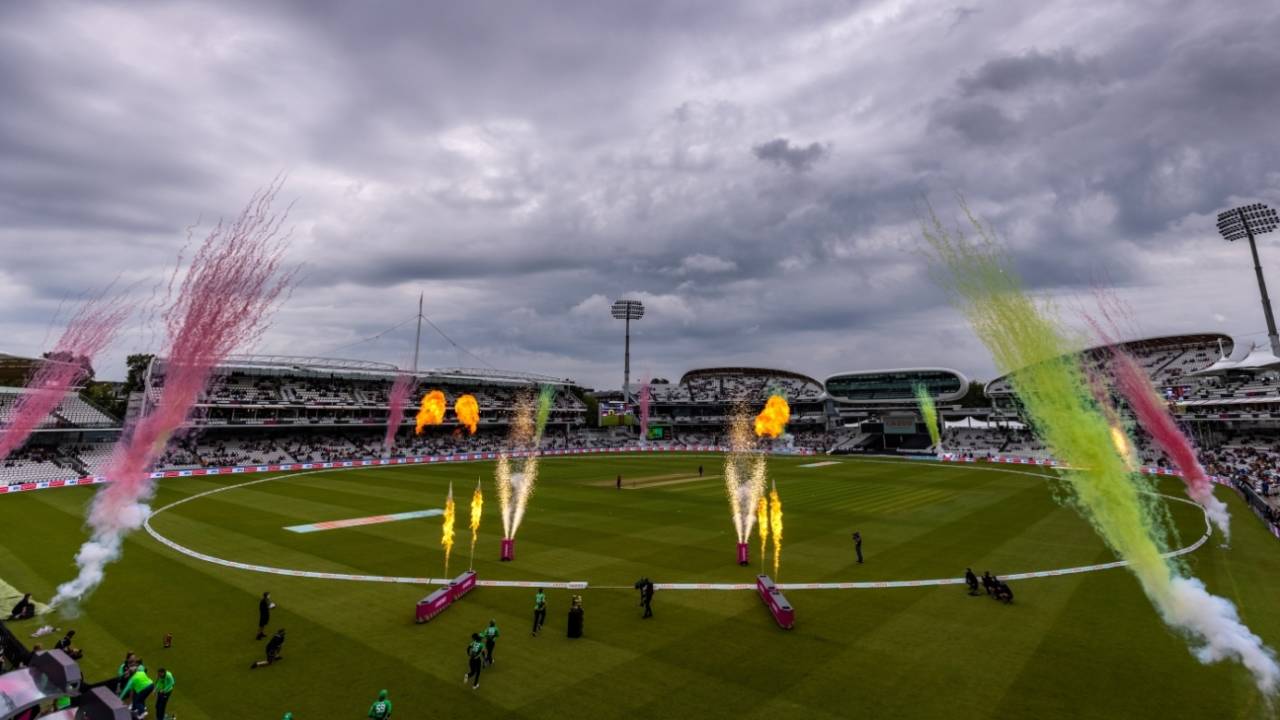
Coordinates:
(975, 424)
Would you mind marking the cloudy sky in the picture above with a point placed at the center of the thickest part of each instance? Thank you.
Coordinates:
(753, 171)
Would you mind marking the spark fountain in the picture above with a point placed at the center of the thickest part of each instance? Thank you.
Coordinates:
(514, 488)
(743, 480)
(930, 413)
(396, 401)
(431, 412)
(87, 334)
(223, 303)
(1026, 341)
(446, 528)
(477, 507)
(468, 412)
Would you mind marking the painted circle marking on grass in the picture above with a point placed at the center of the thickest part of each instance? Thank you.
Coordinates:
(580, 584)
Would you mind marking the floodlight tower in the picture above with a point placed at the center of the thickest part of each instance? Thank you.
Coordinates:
(1248, 221)
(627, 310)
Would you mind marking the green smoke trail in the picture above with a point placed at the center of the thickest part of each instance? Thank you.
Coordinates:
(1055, 393)
(930, 413)
(546, 396)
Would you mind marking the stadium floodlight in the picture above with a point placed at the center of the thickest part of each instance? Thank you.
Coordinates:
(1246, 222)
(627, 310)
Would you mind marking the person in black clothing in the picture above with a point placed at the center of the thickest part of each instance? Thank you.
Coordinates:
(988, 582)
(24, 610)
(65, 645)
(645, 586)
(576, 617)
(1003, 593)
(971, 580)
(699, 471)
(857, 545)
(273, 650)
(264, 614)
(619, 482)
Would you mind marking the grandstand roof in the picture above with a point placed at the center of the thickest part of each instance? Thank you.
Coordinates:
(1260, 357)
(746, 371)
(368, 369)
(1000, 385)
(905, 392)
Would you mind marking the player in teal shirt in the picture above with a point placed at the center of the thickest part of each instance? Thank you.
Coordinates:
(475, 660)
(490, 635)
(164, 688)
(141, 685)
(539, 611)
(381, 708)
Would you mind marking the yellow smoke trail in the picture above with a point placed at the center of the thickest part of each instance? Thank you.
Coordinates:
(477, 504)
(762, 525)
(432, 410)
(446, 536)
(772, 420)
(468, 412)
(775, 527)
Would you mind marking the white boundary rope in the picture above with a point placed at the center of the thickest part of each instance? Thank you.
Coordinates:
(578, 585)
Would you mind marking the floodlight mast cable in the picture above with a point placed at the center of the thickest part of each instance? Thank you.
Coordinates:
(627, 310)
(1248, 221)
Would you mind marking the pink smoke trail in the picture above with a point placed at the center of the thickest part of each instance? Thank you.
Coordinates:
(644, 410)
(1154, 417)
(1152, 413)
(88, 333)
(223, 302)
(398, 398)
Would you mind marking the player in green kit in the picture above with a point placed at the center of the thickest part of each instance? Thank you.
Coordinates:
(539, 611)
(381, 708)
(490, 635)
(475, 660)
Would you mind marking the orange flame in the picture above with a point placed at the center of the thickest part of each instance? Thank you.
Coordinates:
(468, 412)
(775, 527)
(773, 419)
(446, 534)
(432, 410)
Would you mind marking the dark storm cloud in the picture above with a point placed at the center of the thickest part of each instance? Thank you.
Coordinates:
(522, 165)
(781, 152)
(1011, 74)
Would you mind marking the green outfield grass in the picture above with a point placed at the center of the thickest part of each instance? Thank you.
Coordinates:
(1079, 646)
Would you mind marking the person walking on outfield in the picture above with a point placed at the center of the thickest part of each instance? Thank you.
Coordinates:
(164, 688)
(618, 484)
(264, 614)
(490, 639)
(140, 685)
(273, 650)
(646, 596)
(971, 580)
(539, 611)
(475, 661)
(857, 545)
(699, 471)
(381, 708)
